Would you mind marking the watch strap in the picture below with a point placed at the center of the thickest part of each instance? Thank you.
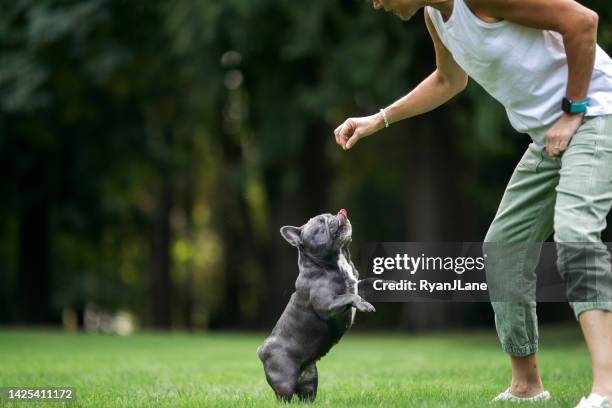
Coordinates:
(572, 107)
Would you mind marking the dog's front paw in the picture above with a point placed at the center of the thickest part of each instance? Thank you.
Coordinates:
(365, 307)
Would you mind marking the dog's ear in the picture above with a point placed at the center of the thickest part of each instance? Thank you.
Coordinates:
(292, 235)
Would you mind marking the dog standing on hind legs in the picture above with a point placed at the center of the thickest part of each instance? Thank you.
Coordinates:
(320, 310)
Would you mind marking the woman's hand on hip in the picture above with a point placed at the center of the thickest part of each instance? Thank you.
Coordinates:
(560, 134)
(354, 129)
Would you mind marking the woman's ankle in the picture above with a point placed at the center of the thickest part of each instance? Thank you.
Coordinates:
(526, 389)
(526, 381)
(603, 391)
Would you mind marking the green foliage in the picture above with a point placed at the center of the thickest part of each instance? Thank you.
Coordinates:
(225, 110)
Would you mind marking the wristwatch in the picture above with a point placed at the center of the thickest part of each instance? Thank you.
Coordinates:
(570, 107)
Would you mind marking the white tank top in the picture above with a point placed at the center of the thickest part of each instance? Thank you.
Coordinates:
(525, 69)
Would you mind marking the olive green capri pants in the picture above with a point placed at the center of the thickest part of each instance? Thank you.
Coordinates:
(570, 196)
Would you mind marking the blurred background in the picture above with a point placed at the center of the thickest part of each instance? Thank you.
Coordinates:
(151, 150)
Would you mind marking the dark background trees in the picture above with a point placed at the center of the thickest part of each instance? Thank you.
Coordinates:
(150, 151)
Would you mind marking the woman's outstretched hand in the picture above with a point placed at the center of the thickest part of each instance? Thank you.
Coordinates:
(353, 129)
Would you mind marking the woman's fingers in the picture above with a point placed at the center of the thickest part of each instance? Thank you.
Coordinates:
(564, 142)
(354, 139)
(338, 134)
(557, 143)
(550, 143)
(353, 129)
(337, 130)
(345, 133)
(560, 134)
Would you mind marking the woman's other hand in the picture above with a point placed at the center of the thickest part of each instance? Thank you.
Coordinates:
(560, 134)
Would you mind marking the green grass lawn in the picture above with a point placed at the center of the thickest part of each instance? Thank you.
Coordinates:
(222, 370)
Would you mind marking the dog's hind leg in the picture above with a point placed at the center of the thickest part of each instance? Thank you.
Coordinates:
(282, 375)
(307, 383)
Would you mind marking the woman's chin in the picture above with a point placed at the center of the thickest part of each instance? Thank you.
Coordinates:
(404, 17)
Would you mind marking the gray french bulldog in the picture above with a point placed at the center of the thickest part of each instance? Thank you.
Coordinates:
(320, 310)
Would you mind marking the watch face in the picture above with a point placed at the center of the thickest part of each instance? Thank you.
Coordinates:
(566, 105)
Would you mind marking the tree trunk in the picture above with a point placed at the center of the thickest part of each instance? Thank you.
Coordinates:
(292, 208)
(428, 213)
(187, 296)
(161, 283)
(34, 250)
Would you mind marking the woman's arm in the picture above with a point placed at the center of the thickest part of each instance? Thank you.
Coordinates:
(578, 26)
(445, 82)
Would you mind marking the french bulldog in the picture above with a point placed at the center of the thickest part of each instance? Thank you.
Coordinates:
(320, 310)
